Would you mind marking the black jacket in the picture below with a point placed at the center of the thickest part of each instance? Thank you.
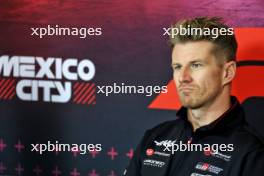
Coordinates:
(242, 152)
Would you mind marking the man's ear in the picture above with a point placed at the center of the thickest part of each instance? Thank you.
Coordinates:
(229, 72)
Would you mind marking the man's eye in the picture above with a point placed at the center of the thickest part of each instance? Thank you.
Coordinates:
(196, 65)
(176, 67)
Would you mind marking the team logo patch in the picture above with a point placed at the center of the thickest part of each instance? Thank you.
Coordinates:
(208, 167)
(162, 154)
(149, 152)
(153, 163)
(196, 174)
(217, 155)
(165, 143)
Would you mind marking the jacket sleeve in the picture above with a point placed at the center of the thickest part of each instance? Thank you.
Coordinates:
(254, 163)
(134, 166)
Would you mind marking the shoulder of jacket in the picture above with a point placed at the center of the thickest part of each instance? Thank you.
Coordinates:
(255, 134)
(251, 137)
(162, 128)
(165, 125)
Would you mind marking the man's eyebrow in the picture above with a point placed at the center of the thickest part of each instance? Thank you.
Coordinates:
(198, 60)
(191, 62)
(173, 64)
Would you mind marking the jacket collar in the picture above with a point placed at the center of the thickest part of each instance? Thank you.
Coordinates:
(229, 119)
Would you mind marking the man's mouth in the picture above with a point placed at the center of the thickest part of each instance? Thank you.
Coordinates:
(186, 88)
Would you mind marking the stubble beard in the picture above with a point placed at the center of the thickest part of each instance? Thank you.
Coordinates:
(197, 98)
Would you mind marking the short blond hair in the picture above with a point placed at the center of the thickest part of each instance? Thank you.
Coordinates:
(225, 44)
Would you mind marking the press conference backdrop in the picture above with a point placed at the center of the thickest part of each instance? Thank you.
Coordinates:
(42, 99)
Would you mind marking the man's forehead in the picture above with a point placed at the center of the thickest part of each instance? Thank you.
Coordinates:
(192, 51)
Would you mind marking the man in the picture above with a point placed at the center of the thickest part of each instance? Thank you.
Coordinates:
(210, 135)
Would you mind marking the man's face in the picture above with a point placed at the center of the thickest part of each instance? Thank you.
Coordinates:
(197, 74)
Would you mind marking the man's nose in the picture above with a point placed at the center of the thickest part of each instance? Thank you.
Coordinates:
(185, 75)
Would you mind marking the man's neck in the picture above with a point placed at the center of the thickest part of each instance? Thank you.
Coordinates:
(207, 114)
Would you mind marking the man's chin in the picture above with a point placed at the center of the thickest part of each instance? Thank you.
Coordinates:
(190, 104)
